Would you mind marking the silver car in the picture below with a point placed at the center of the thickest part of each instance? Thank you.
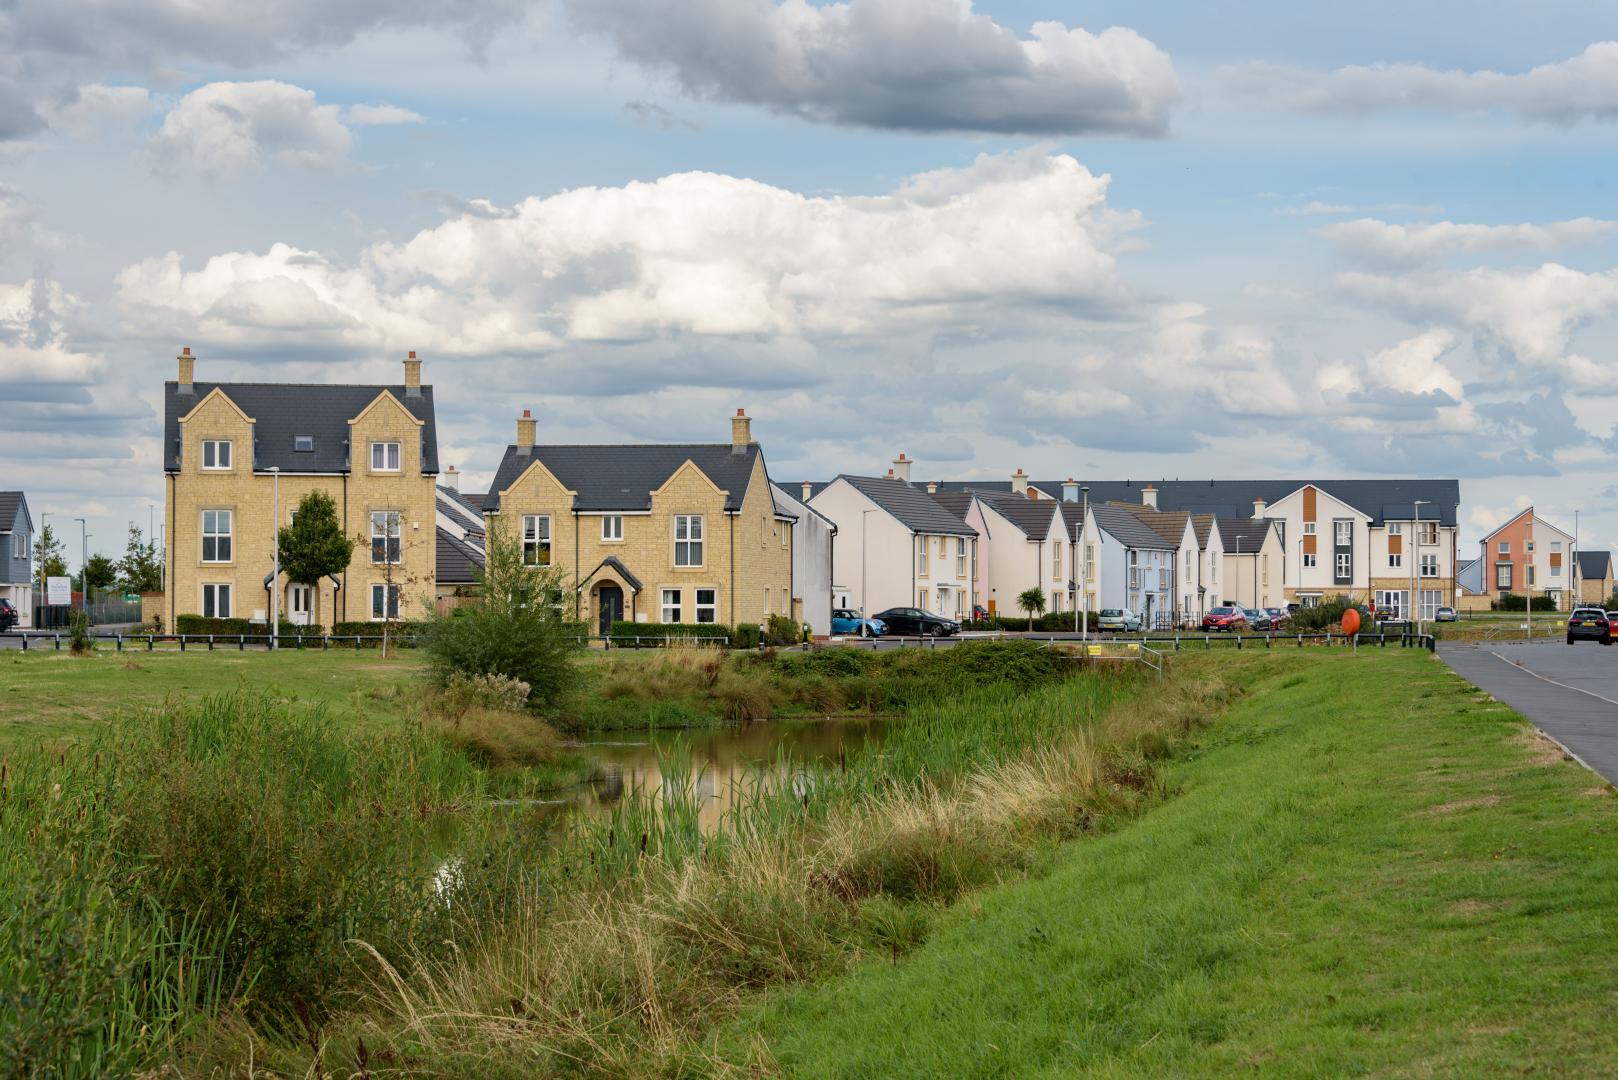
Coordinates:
(1113, 618)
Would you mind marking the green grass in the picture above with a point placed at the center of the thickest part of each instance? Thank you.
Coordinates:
(56, 697)
(1371, 868)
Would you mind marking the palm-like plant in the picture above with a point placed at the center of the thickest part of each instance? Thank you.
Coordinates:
(1033, 602)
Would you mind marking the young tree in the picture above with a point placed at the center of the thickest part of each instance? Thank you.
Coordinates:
(98, 573)
(387, 552)
(314, 545)
(1033, 602)
(49, 554)
(141, 568)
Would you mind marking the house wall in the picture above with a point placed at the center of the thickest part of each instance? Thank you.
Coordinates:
(875, 541)
(943, 584)
(1593, 590)
(250, 497)
(811, 564)
(1256, 579)
(17, 574)
(1211, 570)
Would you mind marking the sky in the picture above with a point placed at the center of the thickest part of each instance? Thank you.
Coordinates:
(1109, 240)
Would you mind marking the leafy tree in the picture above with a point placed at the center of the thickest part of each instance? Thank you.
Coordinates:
(99, 573)
(49, 554)
(1033, 602)
(314, 545)
(141, 568)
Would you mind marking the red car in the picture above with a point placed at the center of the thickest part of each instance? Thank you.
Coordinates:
(1224, 618)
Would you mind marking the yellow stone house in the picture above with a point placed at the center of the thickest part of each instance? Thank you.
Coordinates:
(227, 446)
(683, 533)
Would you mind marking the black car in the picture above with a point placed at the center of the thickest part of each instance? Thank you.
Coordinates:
(1589, 624)
(918, 623)
(8, 616)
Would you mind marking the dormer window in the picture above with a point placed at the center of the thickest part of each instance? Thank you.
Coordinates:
(216, 453)
(303, 444)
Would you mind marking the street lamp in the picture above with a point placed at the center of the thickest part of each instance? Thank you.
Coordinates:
(864, 530)
(275, 576)
(1084, 578)
(1415, 557)
(84, 559)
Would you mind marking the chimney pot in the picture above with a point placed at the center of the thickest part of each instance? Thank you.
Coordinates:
(1148, 496)
(526, 425)
(741, 432)
(1019, 482)
(188, 368)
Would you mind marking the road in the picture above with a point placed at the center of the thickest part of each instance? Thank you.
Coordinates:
(1569, 691)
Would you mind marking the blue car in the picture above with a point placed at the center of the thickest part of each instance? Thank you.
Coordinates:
(845, 622)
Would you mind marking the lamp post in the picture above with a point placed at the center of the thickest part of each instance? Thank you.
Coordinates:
(84, 558)
(1573, 570)
(864, 528)
(275, 576)
(1084, 579)
(39, 598)
(1415, 553)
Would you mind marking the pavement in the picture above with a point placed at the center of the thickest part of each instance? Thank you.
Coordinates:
(1570, 692)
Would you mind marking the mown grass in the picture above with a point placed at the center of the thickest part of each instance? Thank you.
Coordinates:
(1370, 869)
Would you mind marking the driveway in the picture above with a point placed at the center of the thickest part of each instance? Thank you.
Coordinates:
(1569, 691)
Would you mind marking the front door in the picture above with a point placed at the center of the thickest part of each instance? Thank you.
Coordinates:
(300, 601)
(610, 607)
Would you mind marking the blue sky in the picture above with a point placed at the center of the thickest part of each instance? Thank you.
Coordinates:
(1244, 240)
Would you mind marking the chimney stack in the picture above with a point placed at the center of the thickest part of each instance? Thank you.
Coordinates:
(452, 478)
(890, 475)
(741, 432)
(932, 487)
(1019, 482)
(1258, 508)
(525, 432)
(901, 467)
(808, 491)
(188, 368)
(1070, 490)
(1148, 496)
(412, 375)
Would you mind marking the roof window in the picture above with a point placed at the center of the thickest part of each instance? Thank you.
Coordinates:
(303, 444)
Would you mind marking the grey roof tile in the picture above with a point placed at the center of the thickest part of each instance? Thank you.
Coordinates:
(10, 503)
(1128, 529)
(1378, 499)
(457, 560)
(911, 505)
(1243, 534)
(1595, 564)
(624, 477)
(1033, 516)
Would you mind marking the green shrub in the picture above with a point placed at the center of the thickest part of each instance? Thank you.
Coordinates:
(781, 631)
(374, 629)
(745, 636)
(1328, 616)
(198, 624)
(462, 692)
(81, 641)
(1514, 602)
(624, 631)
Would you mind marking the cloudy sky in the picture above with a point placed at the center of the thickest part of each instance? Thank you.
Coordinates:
(1111, 240)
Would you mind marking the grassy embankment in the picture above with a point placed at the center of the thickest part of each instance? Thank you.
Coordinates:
(1370, 868)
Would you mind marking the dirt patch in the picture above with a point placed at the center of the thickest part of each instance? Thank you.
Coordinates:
(1461, 804)
(1541, 750)
(1596, 792)
(1470, 907)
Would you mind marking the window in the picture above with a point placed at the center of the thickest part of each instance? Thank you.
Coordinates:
(1344, 533)
(1345, 566)
(1502, 575)
(1134, 569)
(688, 540)
(303, 444)
(1529, 546)
(216, 545)
(1308, 528)
(384, 457)
(216, 601)
(763, 532)
(216, 453)
(786, 603)
(1395, 559)
(960, 556)
(1308, 560)
(1393, 602)
(1530, 569)
(1429, 532)
(19, 545)
(384, 602)
(1056, 560)
(1163, 580)
(707, 605)
(1429, 566)
(1089, 563)
(974, 544)
(1264, 563)
(1396, 528)
(921, 599)
(1505, 547)
(385, 536)
(671, 605)
(766, 600)
(536, 540)
(612, 527)
(921, 559)
(1431, 599)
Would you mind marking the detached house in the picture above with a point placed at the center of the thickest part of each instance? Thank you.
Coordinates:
(17, 555)
(1595, 576)
(687, 533)
(226, 448)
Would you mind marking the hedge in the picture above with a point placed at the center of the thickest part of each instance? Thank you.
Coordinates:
(744, 636)
(200, 624)
(1514, 602)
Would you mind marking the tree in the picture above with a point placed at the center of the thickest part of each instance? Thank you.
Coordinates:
(141, 568)
(98, 573)
(1033, 602)
(314, 545)
(49, 554)
(387, 552)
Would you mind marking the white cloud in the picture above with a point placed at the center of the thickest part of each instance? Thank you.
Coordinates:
(1317, 208)
(90, 110)
(226, 128)
(35, 359)
(1583, 87)
(381, 115)
(921, 65)
(1371, 240)
(1007, 239)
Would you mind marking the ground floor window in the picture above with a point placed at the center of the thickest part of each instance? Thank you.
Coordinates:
(707, 605)
(1431, 601)
(1309, 599)
(1393, 601)
(384, 602)
(216, 601)
(671, 605)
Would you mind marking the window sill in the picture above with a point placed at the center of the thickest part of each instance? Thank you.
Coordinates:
(689, 569)
(216, 565)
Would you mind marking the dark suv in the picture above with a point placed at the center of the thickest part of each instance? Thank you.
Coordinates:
(1589, 624)
(909, 620)
(8, 616)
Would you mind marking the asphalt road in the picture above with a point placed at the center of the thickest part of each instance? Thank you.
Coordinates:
(1569, 691)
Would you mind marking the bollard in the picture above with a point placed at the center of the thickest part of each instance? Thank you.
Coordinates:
(119, 642)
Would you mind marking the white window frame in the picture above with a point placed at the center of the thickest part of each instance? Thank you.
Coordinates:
(536, 542)
(1310, 561)
(1429, 566)
(216, 445)
(612, 528)
(1343, 533)
(1345, 565)
(1504, 548)
(388, 596)
(960, 556)
(1308, 528)
(1395, 559)
(383, 538)
(1056, 559)
(671, 603)
(1503, 570)
(296, 449)
(1431, 600)
(228, 535)
(922, 549)
(19, 544)
(212, 592)
(390, 454)
(1428, 533)
(1394, 600)
(1396, 528)
(707, 607)
(691, 544)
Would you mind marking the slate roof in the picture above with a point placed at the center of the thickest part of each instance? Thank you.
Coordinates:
(911, 505)
(958, 503)
(283, 410)
(1128, 529)
(1033, 516)
(457, 560)
(1169, 524)
(623, 571)
(1378, 499)
(1243, 535)
(788, 505)
(623, 477)
(1592, 564)
(1203, 525)
(450, 503)
(10, 502)
(473, 504)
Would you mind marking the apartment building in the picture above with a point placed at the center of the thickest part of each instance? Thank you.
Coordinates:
(1528, 555)
(674, 533)
(232, 451)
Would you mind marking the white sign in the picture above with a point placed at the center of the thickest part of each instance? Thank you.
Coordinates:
(58, 591)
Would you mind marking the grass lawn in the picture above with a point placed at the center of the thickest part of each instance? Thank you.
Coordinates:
(54, 696)
(1369, 867)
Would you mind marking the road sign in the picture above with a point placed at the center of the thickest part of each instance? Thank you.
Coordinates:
(59, 591)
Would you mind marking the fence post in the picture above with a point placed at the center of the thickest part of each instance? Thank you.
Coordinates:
(25, 643)
(119, 642)
(148, 643)
(58, 639)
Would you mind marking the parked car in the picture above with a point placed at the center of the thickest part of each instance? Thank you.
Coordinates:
(1446, 614)
(8, 616)
(979, 612)
(844, 621)
(909, 620)
(1277, 616)
(1257, 618)
(1589, 624)
(1225, 618)
(1112, 618)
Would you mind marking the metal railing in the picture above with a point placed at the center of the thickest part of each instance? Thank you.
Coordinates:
(56, 639)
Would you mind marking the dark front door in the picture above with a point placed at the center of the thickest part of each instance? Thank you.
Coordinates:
(610, 604)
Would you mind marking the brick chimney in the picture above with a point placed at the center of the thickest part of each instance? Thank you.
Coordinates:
(1148, 496)
(1258, 508)
(1019, 482)
(525, 432)
(932, 487)
(901, 467)
(412, 375)
(188, 369)
(741, 432)
(452, 478)
(808, 491)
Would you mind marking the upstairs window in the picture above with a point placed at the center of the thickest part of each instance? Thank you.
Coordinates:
(384, 457)
(536, 540)
(19, 545)
(1396, 528)
(687, 540)
(1429, 532)
(1505, 547)
(1345, 533)
(385, 526)
(921, 556)
(612, 527)
(303, 444)
(1308, 528)
(216, 536)
(216, 453)
(1429, 566)
(960, 557)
